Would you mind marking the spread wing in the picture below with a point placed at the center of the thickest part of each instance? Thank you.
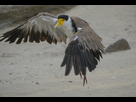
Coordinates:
(38, 28)
(84, 50)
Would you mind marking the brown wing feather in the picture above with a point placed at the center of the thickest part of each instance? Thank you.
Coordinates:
(38, 28)
(89, 34)
(85, 49)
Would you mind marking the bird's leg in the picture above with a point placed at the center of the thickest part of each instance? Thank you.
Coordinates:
(80, 75)
(85, 79)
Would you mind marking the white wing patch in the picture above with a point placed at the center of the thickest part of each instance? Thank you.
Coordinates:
(79, 28)
(75, 37)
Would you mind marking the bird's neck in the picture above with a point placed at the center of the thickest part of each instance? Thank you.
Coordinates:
(70, 27)
(74, 26)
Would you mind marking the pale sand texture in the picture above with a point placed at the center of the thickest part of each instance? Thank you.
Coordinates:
(34, 69)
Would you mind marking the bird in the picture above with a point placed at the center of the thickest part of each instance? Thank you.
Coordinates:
(85, 46)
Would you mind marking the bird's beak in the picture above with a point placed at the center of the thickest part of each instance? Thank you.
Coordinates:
(59, 22)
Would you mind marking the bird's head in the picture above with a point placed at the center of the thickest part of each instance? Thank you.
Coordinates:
(61, 19)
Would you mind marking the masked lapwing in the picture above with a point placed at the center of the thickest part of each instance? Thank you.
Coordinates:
(83, 51)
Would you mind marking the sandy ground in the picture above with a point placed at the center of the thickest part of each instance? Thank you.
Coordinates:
(34, 69)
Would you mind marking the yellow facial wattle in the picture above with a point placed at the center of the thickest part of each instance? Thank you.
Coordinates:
(59, 22)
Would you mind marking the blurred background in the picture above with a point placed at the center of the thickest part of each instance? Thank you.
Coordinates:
(31, 69)
(16, 14)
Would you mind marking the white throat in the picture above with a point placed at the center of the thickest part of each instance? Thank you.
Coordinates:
(67, 26)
